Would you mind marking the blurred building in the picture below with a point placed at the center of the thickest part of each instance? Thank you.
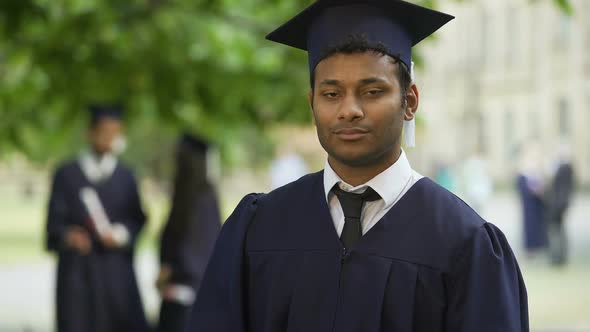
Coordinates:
(502, 73)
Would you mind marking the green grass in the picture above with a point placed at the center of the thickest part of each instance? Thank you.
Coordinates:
(21, 227)
(558, 297)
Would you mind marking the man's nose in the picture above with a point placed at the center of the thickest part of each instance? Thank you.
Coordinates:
(350, 109)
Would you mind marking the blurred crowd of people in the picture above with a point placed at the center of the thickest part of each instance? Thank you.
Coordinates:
(545, 184)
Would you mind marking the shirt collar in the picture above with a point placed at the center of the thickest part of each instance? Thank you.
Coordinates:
(97, 168)
(389, 184)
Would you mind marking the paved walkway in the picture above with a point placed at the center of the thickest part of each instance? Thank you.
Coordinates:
(26, 291)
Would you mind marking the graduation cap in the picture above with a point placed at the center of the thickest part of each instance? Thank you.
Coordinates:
(194, 143)
(394, 24)
(101, 111)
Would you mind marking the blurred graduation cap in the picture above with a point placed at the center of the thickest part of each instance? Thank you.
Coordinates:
(194, 143)
(397, 25)
(102, 111)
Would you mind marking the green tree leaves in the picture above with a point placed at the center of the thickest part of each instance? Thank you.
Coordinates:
(197, 65)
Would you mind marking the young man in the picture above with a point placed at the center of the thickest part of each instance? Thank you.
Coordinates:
(188, 237)
(368, 244)
(94, 219)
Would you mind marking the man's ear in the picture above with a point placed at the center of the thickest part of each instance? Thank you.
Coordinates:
(412, 102)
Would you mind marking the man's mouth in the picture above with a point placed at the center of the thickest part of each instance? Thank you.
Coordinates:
(351, 134)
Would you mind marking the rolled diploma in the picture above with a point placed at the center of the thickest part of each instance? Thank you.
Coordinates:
(95, 209)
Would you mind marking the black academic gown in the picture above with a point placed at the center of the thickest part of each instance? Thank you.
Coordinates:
(559, 194)
(186, 249)
(558, 199)
(189, 235)
(430, 264)
(97, 292)
(533, 216)
(194, 222)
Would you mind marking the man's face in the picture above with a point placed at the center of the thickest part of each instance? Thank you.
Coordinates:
(357, 107)
(103, 134)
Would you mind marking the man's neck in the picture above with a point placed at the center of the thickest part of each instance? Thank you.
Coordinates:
(97, 155)
(359, 174)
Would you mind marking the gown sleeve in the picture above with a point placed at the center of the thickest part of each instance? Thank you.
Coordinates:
(56, 213)
(175, 234)
(136, 217)
(487, 291)
(167, 246)
(199, 240)
(220, 302)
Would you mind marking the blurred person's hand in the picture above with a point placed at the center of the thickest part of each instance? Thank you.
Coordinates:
(108, 240)
(163, 277)
(78, 239)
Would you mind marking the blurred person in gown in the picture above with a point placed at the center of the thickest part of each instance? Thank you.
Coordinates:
(188, 237)
(476, 182)
(558, 196)
(530, 187)
(94, 219)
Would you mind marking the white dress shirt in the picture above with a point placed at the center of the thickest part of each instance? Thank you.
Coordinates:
(390, 184)
(97, 168)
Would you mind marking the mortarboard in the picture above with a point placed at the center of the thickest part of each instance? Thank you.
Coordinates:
(395, 24)
(101, 111)
(194, 143)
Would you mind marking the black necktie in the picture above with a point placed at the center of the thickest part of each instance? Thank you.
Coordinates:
(352, 206)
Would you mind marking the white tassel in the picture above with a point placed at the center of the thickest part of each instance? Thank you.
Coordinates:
(410, 133)
(410, 126)
(119, 145)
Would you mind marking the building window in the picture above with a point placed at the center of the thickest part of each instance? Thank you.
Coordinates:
(564, 118)
(481, 133)
(511, 47)
(534, 126)
(485, 36)
(563, 32)
(587, 45)
(509, 128)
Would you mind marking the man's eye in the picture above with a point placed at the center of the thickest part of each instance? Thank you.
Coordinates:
(330, 94)
(374, 92)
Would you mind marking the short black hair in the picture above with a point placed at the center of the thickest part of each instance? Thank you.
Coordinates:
(359, 43)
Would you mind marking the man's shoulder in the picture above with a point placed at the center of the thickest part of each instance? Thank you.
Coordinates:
(440, 221)
(124, 169)
(443, 213)
(66, 166)
(287, 203)
(443, 204)
(293, 191)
